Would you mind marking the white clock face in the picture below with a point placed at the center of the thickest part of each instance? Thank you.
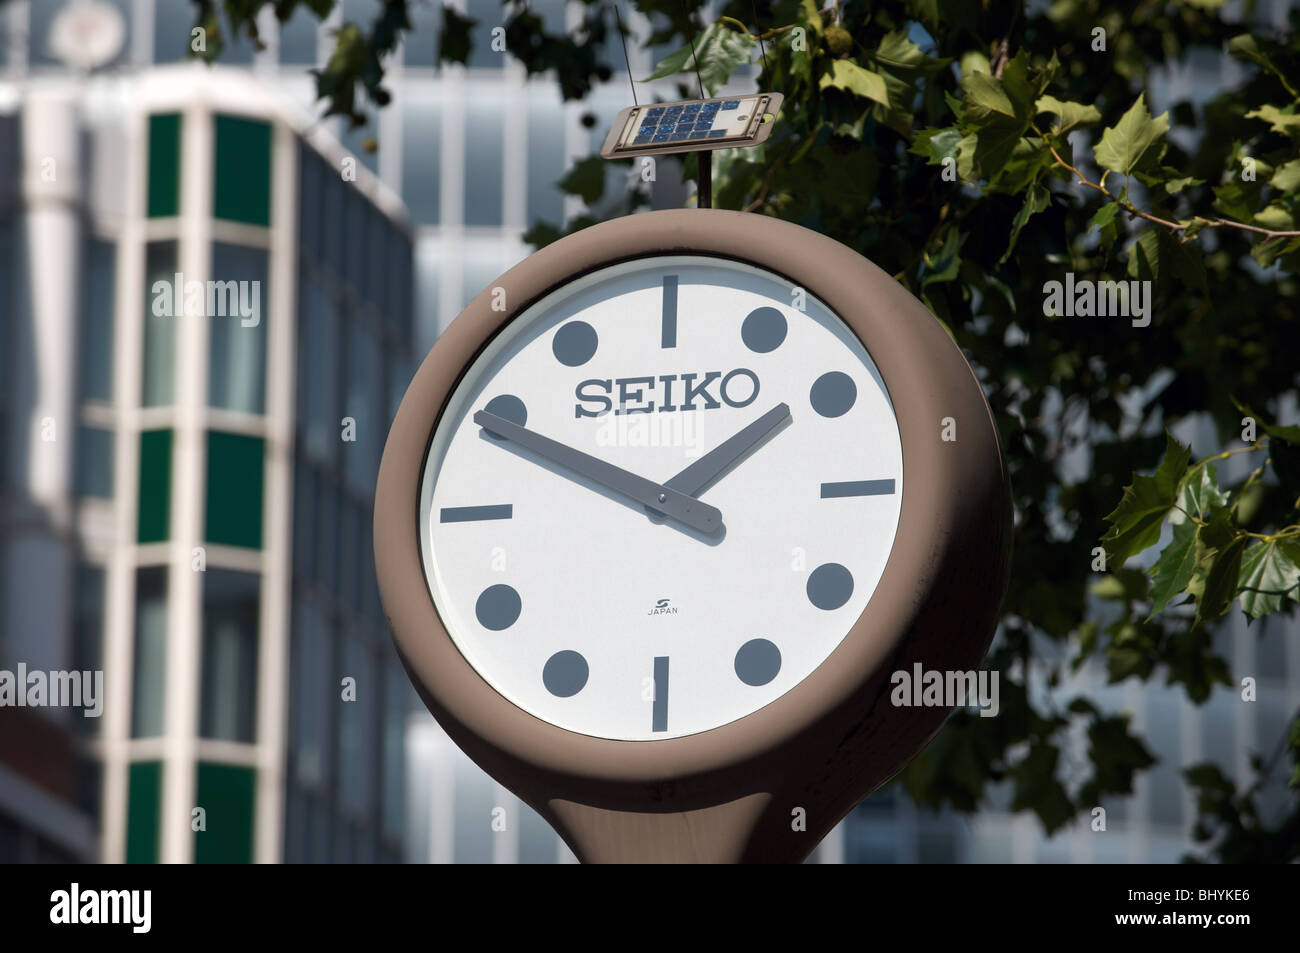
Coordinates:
(604, 553)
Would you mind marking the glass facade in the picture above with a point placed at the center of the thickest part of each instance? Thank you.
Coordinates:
(227, 794)
(164, 304)
(96, 353)
(164, 192)
(154, 504)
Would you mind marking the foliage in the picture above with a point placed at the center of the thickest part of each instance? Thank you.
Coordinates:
(1004, 150)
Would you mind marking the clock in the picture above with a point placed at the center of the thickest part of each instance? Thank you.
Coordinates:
(662, 512)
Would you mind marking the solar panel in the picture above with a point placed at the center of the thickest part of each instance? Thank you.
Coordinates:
(691, 125)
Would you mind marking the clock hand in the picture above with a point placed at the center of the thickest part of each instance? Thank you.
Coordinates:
(661, 499)
(701, 474)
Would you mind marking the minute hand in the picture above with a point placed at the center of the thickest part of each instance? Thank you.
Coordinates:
(704, 471)
(660, 498)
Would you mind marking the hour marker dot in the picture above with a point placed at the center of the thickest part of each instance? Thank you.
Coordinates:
(829, 586)
(498, 607)
(507, 407)
(575, 343)
(757, 662)
(833, 394)
(763, 330)
(565, 673)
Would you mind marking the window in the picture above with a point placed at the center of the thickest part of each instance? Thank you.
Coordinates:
(149, 672)
(375, 288)
(88, 639)
(97, 321)
(143, 811)
(356, 727)
(172, 26)
(395, 706)
(229, 677)
(94, 475)
(234, 510)
(311, 173)
(484, 159)
(421, 152)
(537, 842)
(487, 15)
(298, 37)
(473, 803)
(364, 385)
(241, 188)
(545, 160)
(318, 373)
(327, 522)
(164, 195)
(237, 325)
(226, 793)
(314, 695)
(420, 47)
(354, 231)
(350, 544)
(304, 506)
(154, 504)
(164, 302)
(333, 210)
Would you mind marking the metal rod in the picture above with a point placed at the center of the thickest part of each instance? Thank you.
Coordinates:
(704, 197)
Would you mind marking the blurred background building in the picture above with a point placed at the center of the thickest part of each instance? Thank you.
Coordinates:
(225, 687)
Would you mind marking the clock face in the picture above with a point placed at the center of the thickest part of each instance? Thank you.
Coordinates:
(660, 497)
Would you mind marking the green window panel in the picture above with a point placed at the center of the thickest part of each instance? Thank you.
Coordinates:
(143, 811)
(234, 511)
(153, 525)
(227, 795)
(164, 165)
(242, 183)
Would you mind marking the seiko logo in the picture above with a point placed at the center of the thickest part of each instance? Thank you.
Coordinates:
(663, 608)
(668, 392)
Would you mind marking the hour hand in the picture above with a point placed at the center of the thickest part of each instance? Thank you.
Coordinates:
(659, 498)
(701, 474)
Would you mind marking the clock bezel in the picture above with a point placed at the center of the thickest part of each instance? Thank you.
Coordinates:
(946, 572)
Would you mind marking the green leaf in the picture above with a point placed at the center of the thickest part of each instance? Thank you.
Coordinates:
(996, 113)
(1287, 123)
(857, 80)
(585, 179)
(1158, 257)
(1201, 492)
(1270, 572)
(716, 54)
(1219, 548)
(454, 39)
(1135, 522)
(1173, 570)
(1133, 142)
(900, 53)
(935, 145)
(1036, 199)
(1068, 115)
(944, 264)
(1104, 220)
(1287, 176)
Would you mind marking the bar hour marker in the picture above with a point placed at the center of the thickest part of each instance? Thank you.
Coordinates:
(832, 491)
(669, 332)
(470, 514)
(660, 715)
